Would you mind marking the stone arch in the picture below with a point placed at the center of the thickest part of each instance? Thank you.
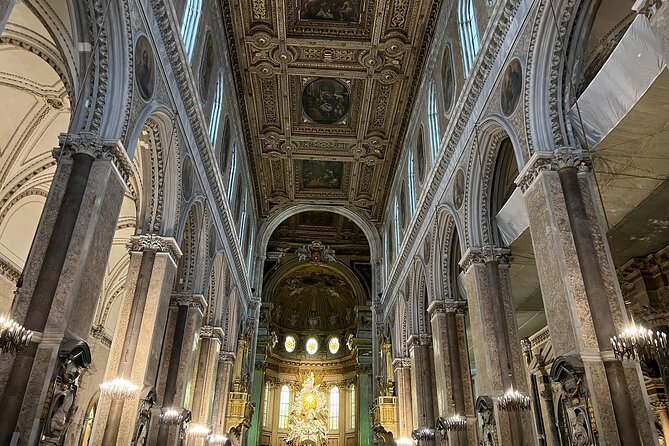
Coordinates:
(232, 321)
(216, 294)
(443, 250)
(401, 326)
(190, 234)
(483, 155)
(419, 298)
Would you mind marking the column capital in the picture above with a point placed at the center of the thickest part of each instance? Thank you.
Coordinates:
(401, 363)
(156, 243)
(226, 356)
(93, 145)
(419, 339)
(560, 158)
(484, 255)
(209, 332)
(447, 306)
(196, 301)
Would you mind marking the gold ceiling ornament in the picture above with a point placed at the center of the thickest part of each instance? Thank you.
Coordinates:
(308, 419)
(315, 252)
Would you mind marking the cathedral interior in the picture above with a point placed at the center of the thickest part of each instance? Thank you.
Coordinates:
(334, 222)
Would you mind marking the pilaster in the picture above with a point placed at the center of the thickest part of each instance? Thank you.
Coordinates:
(402, 367)
(211, 339)
(226, 362)
(63, 274)
(422, 365)
(581, 295)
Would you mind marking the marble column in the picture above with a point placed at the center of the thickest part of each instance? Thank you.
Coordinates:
(365, 400)
(581, 294)
(422, 392)
(207, 372)
(175, 389)
(402, 368)
(497, 351)
(139, 333)
(63, 274)
(226, 363)
(451, 366)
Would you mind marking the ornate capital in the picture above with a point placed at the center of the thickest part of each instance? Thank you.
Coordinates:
(209, 332)
(546, 161)
(447, 306)
(94, 146)
(196, 301)
(419, 339)
(483, 255)
(226, 356)
(401, 363)
(157, 243)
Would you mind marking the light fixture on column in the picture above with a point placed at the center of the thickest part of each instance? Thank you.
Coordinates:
(423, 433)
(405, 442)
(119, 389)
(198, 431)
(514, 401)
(216, 439)
(170, 416)
(13, 336)
(639, 343)
(454, 423)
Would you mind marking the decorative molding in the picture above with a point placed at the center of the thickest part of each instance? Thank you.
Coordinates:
(419, 339)
(479, 256)
(447, 306)
(9, 270)
(225, 356)
(209, 332)
(560, 158)
(99, 333)
(196, 301)
(156, 243)
(401, 363)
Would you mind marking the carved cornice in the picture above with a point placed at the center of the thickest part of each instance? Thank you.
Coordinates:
(546, 161)
(9, 270)
(156, 243)
(419, 339)
(401, 363)
(226, 356)
(196, 301)
(97, 148)
(209, 332)
(447, 306)
(99, 333)
(478, 256)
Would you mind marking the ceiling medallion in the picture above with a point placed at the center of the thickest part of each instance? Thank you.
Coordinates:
(315, 252)
(326, 101)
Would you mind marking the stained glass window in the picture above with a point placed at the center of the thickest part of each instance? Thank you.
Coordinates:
(289, 344)
(312, 346)
(333, 345)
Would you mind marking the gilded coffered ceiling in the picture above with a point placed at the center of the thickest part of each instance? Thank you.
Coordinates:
(326, 88)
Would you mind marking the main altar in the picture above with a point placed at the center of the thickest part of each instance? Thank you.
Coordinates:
(308, 419)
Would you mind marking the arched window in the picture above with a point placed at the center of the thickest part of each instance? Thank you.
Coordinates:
(411, 182)
(233, 170)
(433, 115)
(396, 226)
(265, 406)
(334, 408)
(284, 407)
(216, 108)
(190, 24)
(242, 217)
(469, 35)
(352, 406)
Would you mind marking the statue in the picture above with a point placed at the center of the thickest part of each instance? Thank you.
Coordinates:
(74, 356)
(308, 419)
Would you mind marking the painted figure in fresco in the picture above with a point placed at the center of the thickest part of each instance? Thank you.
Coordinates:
(325, 101)
(144, 68)
(512, 84)
(334, 10)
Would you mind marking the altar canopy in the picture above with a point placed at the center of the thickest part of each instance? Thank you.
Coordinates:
(308, 420)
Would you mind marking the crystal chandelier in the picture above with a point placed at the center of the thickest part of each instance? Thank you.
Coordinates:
(639, 343)
(216, 439)
(404, 442)
(198, 431)
(514, 401)
(170, 417)
(13, 336)
(454, 423)
(119, 389)
(423, 433)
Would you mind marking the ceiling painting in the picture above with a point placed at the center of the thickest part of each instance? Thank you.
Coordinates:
(328, 88)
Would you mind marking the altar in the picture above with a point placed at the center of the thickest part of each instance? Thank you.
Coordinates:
(308, 420)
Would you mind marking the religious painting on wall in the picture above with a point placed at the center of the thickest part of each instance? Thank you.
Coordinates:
(330, 10)
(512, 86)
(459, 189)
(420, 155)
(326, 101)
(322, 174)
(144, 68)
(207, 67)
(449, 78)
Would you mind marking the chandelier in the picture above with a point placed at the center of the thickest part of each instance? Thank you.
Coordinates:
(404, 442)
(315, 252)
(119, 389)
(454, 423)
(198, 431)
(216, 439)
(423, 433)
(514, 401)
(170, 417)
(13, 336)
(639, 343)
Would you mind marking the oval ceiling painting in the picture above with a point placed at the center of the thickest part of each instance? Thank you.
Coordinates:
(326, 101)
(512, 85)
(448, 78)
(144, 68)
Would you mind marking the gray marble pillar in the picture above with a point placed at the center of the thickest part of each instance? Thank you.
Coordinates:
(207, 370)
(139, 333)
(422, 399)
(402, 368)
(451, 366)
(226, 363)
(497, 351)
(580, 290)
(63, 274)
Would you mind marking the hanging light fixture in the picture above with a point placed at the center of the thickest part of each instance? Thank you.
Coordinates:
(13, 336)
(170, 417)
(639, 343)
(514, 401)
(216, 439)
(405, 442)
(423, 433)
(198, 431)
(119, 389)
(454, 423)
